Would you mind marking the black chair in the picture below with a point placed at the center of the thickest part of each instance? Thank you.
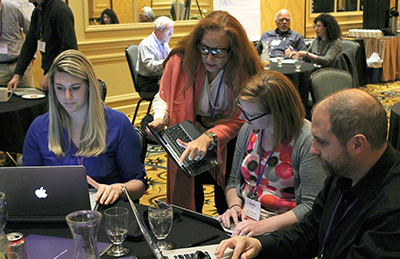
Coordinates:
(131, 53)
(143, 144)
(328, 80)
(103, 89)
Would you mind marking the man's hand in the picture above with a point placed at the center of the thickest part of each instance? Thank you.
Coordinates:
(14, 82)
(243, 247)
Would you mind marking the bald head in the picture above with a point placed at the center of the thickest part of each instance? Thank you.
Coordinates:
(282, 20)
(353, 111)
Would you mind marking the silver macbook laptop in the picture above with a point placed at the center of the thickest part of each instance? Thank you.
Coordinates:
(184, 253)
(27, 90)
(44, 193)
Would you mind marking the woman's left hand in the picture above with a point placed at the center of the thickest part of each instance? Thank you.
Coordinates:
(106, 194)
(195, 150)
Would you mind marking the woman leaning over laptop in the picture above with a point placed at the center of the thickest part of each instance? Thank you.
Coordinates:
(200, 82)
(80, 130)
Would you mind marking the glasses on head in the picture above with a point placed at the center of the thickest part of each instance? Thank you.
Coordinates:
(216, 52)
(246, 116)
(283, 19)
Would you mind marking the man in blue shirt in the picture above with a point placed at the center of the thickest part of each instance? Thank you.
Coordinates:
(282, 37)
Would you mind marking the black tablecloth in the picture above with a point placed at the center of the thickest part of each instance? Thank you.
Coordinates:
(394, 127)
(185, 231)
(16, 116)
(301, 80)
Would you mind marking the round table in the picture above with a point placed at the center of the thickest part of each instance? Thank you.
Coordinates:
(16, 116)
(394, 126)
(299, 79)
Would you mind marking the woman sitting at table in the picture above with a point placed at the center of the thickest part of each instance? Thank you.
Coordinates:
(283, 182)
(80, 130)
(326, 46)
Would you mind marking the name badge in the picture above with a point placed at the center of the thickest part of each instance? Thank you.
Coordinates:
(3, 49)
(252, 208)
(42, 46)
(275, 42)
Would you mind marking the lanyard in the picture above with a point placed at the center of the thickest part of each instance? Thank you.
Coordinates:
(160, 46)
(328, 231)
(213, 106)
(260, 152)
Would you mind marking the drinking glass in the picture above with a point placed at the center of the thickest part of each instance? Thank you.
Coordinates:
(3, 219)
(116, 225)
(297, 63)
(279, 58)
(160, 219)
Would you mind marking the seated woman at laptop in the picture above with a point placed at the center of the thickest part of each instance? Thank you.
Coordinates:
(283, 182)
(80, 130)
(201, 79)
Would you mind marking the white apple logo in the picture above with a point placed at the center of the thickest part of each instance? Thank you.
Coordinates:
(41, 193)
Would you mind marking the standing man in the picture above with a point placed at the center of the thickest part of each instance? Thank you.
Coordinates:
(12, 20)
(146, 14)
(356, 214)
(282, 37)
(152, 52)
(51, 32)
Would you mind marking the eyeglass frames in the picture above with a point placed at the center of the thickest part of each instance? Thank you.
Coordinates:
(246, 116)
(216, 52)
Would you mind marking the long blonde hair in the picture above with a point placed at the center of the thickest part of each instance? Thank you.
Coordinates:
(93, 135)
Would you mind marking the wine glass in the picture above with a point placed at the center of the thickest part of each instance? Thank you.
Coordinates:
(279, 58)
(116, 225)
(160, 219)
(297, 63)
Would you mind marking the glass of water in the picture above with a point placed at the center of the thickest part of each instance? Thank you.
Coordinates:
(161, 219)
(116, 225)
(297, 63)
(279, 58)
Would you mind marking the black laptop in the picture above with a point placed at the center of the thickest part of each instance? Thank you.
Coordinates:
(186, 132)
(44, 193)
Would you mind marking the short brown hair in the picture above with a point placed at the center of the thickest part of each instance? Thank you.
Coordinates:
(279, 96)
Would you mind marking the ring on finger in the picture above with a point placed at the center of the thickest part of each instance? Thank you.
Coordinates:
(197, 158)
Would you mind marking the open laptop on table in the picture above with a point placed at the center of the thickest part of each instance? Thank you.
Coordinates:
(186, 132)
(44, 193)
(27, 90)
(183, 253)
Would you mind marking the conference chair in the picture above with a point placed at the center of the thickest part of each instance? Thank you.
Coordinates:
(143, 144)
(131, 53)
(103, 89)
(328, 80)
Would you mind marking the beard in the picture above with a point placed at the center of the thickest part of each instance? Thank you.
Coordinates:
(342, 167)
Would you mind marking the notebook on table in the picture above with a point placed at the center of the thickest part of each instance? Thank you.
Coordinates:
(186, 132)
(44, 193)
(183, 253)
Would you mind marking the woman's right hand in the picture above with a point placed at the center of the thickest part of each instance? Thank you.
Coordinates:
(235, 212)
(157, 124)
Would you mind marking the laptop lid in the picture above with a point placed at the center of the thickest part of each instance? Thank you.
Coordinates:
(177, 253)
(44, 193)
(186, 132)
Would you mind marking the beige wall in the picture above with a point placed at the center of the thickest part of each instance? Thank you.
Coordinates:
(105, 45)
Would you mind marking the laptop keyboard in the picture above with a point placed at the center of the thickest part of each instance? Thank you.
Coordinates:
(177, 132)
(189, 255)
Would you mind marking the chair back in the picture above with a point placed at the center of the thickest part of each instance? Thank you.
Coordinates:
(103, 89)
(143, 144)
(352, 45)
(132, 55)
(328, 80)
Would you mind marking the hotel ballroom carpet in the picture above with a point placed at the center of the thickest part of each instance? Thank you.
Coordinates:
(156, 161)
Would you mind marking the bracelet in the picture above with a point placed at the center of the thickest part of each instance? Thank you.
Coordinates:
(213, 138)
(236, 204)
(307, 54)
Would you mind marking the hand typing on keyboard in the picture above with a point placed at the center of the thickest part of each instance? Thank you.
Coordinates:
(195, 150)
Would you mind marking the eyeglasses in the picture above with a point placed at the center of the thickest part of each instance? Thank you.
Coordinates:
(318, 26)
(216, 52)
(284, 19)
(247, 117)
(167, 31)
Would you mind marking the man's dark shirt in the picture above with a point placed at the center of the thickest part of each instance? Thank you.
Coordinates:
(58, 33)
(370, 229)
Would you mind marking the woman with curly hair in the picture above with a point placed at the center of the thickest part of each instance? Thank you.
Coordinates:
(326, 46)
(200, 83)
(108, 16)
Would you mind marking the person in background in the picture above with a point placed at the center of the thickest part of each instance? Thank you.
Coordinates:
(326, 46)
(357, 212)
(13, 22)
(146, 14)
(289, 178)
(80, 130)
(152, 52)
(51, 32)
(108, 16)
(282, 37)
(200, 83)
